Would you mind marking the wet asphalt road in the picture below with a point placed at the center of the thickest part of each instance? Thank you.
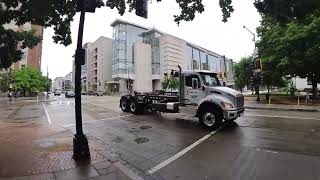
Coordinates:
(260, 145)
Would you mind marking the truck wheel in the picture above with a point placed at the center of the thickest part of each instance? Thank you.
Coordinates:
(211, 119)
(124, 105)
(134, 107)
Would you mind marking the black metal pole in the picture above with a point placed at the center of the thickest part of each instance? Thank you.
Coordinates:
(10, 84)
(80, 142)
(47, 81)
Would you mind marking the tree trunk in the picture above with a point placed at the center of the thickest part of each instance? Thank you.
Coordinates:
(314, 88)
(241, 90)
(268, 86)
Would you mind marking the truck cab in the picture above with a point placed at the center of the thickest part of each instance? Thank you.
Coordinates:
(203, 88)
(200, 93)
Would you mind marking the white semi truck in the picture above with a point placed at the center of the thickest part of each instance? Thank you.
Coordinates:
(200, 93)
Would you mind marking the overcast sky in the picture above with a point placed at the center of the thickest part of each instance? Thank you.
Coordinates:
(206, 30)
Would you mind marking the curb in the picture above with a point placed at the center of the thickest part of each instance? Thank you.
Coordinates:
(281, 109)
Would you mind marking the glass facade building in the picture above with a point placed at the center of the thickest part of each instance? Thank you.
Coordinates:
(166, 53)
(199, 59)
(124, 35)
(152, 37)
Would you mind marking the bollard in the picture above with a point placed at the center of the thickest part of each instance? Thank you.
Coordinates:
(298, 101)
(269, 100)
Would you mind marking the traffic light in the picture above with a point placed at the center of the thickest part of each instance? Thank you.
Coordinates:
(141, 7)
(258, 64)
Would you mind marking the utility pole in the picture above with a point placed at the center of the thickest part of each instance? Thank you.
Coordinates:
(257, 72)
(80, 141)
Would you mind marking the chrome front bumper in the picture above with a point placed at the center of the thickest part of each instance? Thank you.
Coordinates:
(232, 114)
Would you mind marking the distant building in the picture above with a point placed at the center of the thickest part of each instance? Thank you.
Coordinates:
(58, 83)
(31, 57)
(68, 83)
(98, 65)
(302, 83)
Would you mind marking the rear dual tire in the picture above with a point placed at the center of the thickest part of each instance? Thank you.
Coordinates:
(124, 105)
(134, 107)
(130, 106)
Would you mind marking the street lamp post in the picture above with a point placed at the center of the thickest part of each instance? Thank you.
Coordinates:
(257, 73)
(80, 141)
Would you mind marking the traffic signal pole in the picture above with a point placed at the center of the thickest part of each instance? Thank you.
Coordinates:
(80, 141)
(257, 84)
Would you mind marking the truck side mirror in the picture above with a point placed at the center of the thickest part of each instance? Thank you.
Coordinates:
(195, 83)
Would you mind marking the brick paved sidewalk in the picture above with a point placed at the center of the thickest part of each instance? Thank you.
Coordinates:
(33, 151)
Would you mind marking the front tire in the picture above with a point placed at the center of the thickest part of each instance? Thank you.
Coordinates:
(211, 119)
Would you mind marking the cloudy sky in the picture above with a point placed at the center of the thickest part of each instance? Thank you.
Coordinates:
(206, 30)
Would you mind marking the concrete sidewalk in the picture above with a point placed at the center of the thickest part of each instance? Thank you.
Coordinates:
(37, 151)
(255, 105)
(104, 170)
(61, 166)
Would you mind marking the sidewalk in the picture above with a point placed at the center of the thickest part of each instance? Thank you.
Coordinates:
(34, 151)
(255, 105)
(61, 166)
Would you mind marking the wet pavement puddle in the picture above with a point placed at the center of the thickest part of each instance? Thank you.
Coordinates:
(141, 140)
(145, 127)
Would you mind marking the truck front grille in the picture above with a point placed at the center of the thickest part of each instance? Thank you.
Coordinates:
(240, 101)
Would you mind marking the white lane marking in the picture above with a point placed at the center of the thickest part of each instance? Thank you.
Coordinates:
(98, 120)
(47, 114)
(179, 154)
(274, 116)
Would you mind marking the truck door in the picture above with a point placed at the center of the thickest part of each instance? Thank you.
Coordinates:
(192, 91)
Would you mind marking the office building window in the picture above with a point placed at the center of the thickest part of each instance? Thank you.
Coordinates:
(204, 61)
(152, 38)
(214, 63)
(189, 56)
(196, 59)
(222, 63)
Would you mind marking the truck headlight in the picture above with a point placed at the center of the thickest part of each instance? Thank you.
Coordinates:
(227, 105)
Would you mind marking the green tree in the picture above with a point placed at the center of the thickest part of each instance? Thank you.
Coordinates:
(292, 48)
(59, 14)
(28, 81)
(170, 82)
(243, 72)
(5, 82)
(272, 77)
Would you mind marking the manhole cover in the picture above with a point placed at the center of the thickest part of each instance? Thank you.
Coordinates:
(141, 140)
(117, 140)
(145, 127)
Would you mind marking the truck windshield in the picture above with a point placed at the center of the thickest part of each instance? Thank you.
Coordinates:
(210, 79)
